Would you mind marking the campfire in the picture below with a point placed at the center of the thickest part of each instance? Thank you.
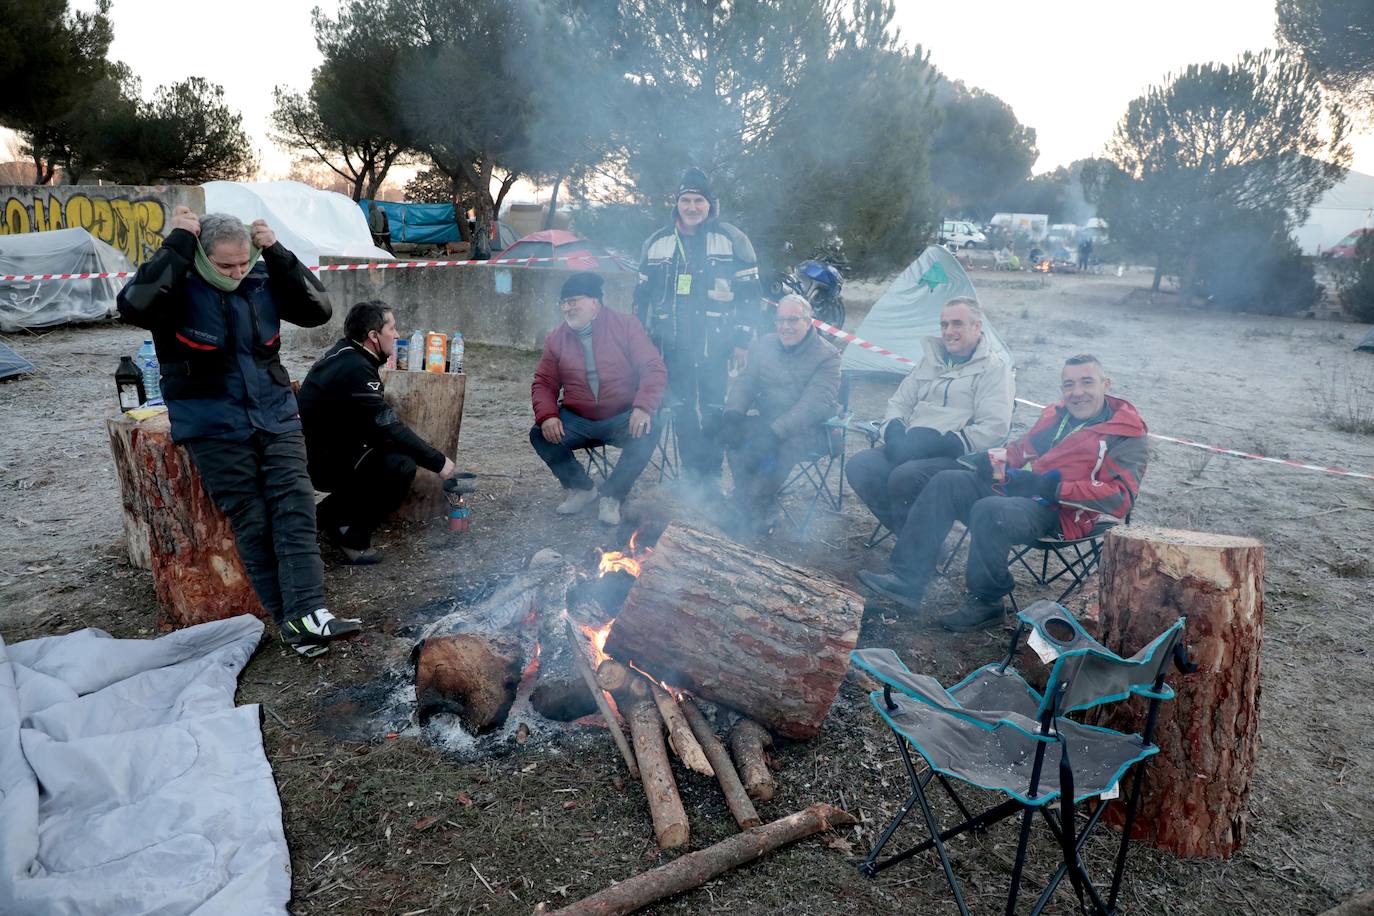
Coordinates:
(626, 561)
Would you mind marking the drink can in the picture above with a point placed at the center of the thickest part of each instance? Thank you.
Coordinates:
(402, 355)
(998, 458)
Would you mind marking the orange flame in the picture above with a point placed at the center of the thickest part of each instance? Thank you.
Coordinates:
(598, 641)
(625, 561)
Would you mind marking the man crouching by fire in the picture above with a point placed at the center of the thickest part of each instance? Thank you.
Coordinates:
(1084, 457)
(792, 380)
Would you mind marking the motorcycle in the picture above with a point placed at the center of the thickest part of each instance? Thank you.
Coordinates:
(819, 280)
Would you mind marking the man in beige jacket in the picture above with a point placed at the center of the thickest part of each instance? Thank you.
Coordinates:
(957, 400)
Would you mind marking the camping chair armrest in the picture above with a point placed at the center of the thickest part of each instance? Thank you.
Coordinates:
(893, 673)
(1058, 631)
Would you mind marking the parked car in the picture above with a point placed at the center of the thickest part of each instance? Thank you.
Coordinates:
(1345, 248)
(960, 233)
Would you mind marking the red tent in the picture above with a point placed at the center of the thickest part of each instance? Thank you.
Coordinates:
(557, 243)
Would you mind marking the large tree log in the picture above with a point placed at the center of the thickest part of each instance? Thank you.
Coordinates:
(1197, 788)
(739, 628)
(431, 404)
(197, 574)
(696, 868)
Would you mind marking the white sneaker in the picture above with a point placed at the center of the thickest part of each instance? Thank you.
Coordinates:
(610, 511)
(576, 501)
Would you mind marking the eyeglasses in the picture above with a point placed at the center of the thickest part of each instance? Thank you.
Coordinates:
(566, 304)
(796, 320)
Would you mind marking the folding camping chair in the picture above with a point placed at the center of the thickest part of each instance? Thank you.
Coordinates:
(994, 731)
(666, 459)
(1077, 557)
(810, 477)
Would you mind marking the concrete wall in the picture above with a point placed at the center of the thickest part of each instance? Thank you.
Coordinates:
(504, 306)
(132, 219)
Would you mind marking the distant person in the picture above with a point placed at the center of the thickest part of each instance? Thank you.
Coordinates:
(379, 224)
(699, 298)
(359, 451)
(1084, 457)
(957, 400)
(599, 380)
(214, 297)
(1085, 254)
(792, 381)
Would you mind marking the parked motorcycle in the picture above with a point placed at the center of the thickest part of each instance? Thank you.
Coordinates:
(819, 279)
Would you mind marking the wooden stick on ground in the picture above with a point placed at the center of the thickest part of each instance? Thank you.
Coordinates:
(696, 868)
(680, 736)
(665, 804)
(735, 796)
(747, 742)
(584, 668)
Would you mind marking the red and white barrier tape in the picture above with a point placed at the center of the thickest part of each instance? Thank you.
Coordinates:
(1235, 453)
(371, 265)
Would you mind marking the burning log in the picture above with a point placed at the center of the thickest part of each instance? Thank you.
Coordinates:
(665, 804)
(680, 736)
(739, 628)
(747, 743)
(696, 868)
(585, 671)
(470, 675)
(612, 675)
(736, 796)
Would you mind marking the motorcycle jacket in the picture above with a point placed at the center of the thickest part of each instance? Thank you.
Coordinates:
(221, 375)
(698, 295)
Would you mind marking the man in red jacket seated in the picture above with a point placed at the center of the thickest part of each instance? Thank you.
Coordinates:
(612, 379)
(1083, 458)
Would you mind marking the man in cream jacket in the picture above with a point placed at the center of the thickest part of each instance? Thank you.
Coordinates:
(956, 401)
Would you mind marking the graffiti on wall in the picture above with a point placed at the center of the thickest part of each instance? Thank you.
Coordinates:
(133, 227)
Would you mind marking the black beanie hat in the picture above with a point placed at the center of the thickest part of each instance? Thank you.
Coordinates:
(583, 284)
(694, 181)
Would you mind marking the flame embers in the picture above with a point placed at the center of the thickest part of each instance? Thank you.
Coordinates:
(626, 561)
(1044, 266)
(597, 638)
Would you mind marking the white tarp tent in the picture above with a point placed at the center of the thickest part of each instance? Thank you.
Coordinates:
(910, 311)
(308, 221)
(35, 304)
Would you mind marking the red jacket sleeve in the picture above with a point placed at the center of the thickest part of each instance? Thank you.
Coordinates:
(653, 374)
(544, 390)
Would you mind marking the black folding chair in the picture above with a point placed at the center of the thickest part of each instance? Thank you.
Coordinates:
(810, 477)
(994, 731)
(598, 461)
(1077, 558)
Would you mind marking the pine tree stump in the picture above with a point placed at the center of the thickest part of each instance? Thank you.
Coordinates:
(430, 403)
(1197, 787)
(739, 628)
(170, 520)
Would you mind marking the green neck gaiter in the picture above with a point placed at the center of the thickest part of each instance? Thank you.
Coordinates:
(219, 281)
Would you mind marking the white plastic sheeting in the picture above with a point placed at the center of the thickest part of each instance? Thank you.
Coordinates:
(129, 782)
(310, 222)
(910, 311)
(43, 304)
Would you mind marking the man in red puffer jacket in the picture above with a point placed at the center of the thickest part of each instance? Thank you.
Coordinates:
(611, 378)
(1083, 458)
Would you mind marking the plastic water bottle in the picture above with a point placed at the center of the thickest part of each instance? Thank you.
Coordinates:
(455, 353)
(417, 351)
(152, 374)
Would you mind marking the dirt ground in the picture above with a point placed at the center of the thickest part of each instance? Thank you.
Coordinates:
(405, 825)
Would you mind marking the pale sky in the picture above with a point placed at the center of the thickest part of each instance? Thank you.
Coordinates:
(1068, 69)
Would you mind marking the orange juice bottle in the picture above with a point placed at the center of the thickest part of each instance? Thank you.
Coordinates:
(436, 351)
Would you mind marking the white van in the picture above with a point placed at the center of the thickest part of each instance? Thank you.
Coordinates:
(960, 233)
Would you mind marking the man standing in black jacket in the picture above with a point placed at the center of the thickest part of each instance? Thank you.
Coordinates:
(359, 450)
(215, 312)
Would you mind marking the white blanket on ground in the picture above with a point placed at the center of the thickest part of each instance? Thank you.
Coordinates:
(129, 782)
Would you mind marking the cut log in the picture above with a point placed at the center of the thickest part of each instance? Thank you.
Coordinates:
(613, 676)
(748, 740)
(1197, 788)
(736, 796)
(170, 519)
(431, 404)
(739, 628)
(665, 804)
(680, 736)
(470, 661)
(585, 672)
(696, 868)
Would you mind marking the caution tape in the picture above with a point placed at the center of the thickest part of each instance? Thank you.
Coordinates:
(370, 265)
(1217, 449)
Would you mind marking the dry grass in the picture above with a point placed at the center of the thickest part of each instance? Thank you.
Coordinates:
(1345, 396)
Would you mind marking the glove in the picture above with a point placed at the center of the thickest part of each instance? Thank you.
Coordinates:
(1036, 486)
(919, 442)
(732, 429)
(981, 465)
(953, 446)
